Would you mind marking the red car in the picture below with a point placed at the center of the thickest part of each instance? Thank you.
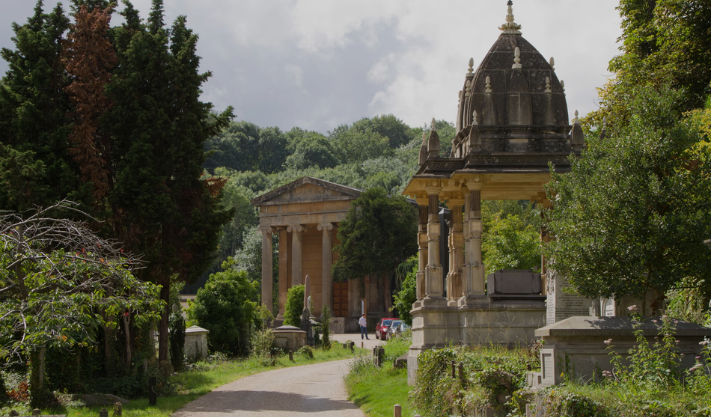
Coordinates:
(381, 329)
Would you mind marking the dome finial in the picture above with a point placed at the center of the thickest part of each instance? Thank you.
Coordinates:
(562, 85)
(510, 27)
(433, 126)
(517, 59)
(552, 62)
(470, 71)
(475, 118)
(488, 85)
(548, 85)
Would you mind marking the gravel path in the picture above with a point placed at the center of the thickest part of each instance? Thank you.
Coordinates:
(314, 390)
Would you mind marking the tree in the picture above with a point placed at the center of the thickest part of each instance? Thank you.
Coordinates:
(663, 42)
(294, 305)
(378, 233)
(89, 58)
(511, 244)
(389, 126)
(354, 146)
(406, 296)
(226, 306)
(34, 127)
(311, 150)
(60, 284)
(161, 204)
(632, 214)
(326, 326)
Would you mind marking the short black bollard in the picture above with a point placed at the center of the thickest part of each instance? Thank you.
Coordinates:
(103, 413)
(118, 410)
(397, 412)
(352, 347)
(291, 356)
(152, 397)
(344, 345)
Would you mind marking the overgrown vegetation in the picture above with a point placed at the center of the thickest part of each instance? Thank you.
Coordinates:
(294, 305)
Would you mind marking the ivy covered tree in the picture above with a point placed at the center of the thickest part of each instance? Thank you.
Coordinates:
(633, 213)
(378, 233)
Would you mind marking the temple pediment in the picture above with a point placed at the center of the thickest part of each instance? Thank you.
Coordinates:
(307, 190)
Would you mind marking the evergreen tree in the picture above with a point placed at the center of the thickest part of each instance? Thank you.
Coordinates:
(159, 125)
(34, 127)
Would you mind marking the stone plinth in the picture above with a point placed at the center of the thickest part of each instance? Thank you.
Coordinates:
(289, 338)
(575, 347)
(338, 325)
(481, 321)
(196, 342)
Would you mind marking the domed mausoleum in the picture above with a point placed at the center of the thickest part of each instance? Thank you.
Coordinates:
(512, 122)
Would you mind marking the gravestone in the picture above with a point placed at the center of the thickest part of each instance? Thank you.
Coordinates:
(561, 305)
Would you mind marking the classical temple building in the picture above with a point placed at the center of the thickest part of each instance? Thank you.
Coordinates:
(305, 214)
(511, 123)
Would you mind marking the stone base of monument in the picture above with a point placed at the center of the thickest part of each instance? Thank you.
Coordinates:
(337, 325)
(507, 323)
(574, 348)
(289, 338)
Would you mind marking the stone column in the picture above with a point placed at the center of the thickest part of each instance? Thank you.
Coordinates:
(423, 206)
(433, 273)
(296, 253)
(326, 264)
(267, 267)
(474, 268)
(456, 249)
(283, 270)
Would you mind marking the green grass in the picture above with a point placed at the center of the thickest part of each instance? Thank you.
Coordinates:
(377, 390)
(194, 384)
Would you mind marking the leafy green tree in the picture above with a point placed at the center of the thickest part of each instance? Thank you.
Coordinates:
(511, 244)
(326, 326)
(34, 109)
(378, 233)
(389, 126)
(355, 146)
(632, 214)
(311, 150)
(406, 296)
(245, 146)
(294, 305)
(226, 306)
(161, 205)
(663, 42)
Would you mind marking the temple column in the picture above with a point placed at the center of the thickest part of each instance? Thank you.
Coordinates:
(267, 267)
(456, 250)
(474, 268)
(296, 253)
(433, 273)
(326, 264)
(423, 206)
(283, 270)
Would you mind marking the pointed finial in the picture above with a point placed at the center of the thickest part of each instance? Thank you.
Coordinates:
(475, 118)
(510, 27)
(460, 95)
(433, 126)
(548, 85)
(468, 88)
(562, 85)
(517, 59)
(470, 71)
(488, 85)
(552, 62)
(576, 120)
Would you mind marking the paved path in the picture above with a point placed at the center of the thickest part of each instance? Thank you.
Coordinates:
(355, 338)
(314, 390)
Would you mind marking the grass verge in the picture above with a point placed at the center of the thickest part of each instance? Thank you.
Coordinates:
(193, 384)
(377, 390)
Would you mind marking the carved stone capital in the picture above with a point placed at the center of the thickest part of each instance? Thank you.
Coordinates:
(326, 226)
(298, 228)
(433, 191)
(267, 230)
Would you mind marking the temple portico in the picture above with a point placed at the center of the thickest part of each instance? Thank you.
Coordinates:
(303, 217)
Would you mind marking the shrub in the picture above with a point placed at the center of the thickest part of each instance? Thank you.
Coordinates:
(262, 346)
(325, 327)
(306, 351)
(226, 307)
(294, 305)
(177, 341)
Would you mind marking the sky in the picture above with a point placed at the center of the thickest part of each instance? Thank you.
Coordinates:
(317, 64)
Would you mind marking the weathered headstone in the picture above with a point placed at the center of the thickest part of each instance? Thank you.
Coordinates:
(560, 305)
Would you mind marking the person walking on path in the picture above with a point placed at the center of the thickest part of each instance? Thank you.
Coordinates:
(363, 327)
